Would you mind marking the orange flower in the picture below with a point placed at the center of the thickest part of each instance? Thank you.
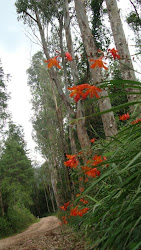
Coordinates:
(84, 201)
(80, 153)
(77, 195)
(53, 62)
(93, 172)
(86, 168)
(98, 63)
(93, 140)
(64, 219)
(104, 158)
(74, 211)
(81, 179)
(68, 56)
(72, 162)
(65, 206)
(114, 53)
(92, 90)
(124, 117)
(81, 189)
(77, 91)
(97, 160)
(86, 180)
(80, 212)
(136, 121)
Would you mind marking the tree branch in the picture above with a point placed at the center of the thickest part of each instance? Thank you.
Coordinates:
(30, 16)
(135, 9)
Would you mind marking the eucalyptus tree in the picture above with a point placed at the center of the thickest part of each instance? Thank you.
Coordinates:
(126, 65)
(42, 13)
(42, 194)
(81, 130)
(48, 126)
(108, 119)
(3, 97)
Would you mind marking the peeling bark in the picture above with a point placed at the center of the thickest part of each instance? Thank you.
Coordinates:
(81, 130)
(108, 119)
(126, 65)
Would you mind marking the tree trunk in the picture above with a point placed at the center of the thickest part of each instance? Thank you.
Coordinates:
(60, 124)
(52, 200)
(126, 65)
(81, 130)
(53, 75)
(108, 119)
(46, 199)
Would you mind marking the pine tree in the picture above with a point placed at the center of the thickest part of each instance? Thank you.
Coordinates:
(15, 170)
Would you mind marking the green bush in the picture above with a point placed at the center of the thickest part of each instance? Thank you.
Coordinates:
(4, 227)
(19, 218)
(16, 221)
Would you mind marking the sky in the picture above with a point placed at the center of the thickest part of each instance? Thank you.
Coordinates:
(16, 51)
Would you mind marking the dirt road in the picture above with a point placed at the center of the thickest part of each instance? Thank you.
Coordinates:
(47, 234)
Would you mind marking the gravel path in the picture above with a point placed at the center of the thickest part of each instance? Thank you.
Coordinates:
(47, 234)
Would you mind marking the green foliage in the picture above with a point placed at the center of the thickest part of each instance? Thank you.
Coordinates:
(134, 21)
(113, 220)
(47, 8)
(116, 218)
(17, 219)
(99, 30)
(5, 228)
(16, 173)
(3, 98)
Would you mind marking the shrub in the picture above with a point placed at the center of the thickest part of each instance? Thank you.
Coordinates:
(4, 227)
(19, 218)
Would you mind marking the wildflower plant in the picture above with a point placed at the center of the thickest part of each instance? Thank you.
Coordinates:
(107, 176)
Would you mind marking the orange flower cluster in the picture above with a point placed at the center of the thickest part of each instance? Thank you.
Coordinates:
(98, 63)
(124, 117)
(97, 160)
(77, 91)
(84, 201)
(93, 172)
(72, 162)
(64, 219)
(136, 121)
(65, 206)
(114, 53)
(80, 212)
(53, 61)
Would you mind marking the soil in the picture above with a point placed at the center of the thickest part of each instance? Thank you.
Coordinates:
(47, 234)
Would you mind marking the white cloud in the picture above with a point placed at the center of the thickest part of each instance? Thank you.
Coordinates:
(16, 63)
